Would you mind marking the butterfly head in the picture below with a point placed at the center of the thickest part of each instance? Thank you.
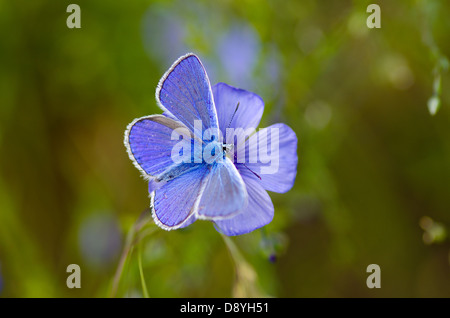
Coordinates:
(228, 151)
(216, 151)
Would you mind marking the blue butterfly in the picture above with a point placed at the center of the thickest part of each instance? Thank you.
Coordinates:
(211, 182)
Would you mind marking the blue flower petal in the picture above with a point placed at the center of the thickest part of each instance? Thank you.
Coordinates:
(283, 179)
(226, 98)
(258, 212)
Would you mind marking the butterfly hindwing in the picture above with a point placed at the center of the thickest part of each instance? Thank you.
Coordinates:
(175, 203)
(224, 194)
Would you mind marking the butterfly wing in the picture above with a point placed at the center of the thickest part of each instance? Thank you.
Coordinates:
(184, 93)
(150, 142)
(224, 193)
(174, 204)
(175, 188)
(211, 192)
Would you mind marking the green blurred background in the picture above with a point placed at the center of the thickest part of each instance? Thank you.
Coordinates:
(374, 162)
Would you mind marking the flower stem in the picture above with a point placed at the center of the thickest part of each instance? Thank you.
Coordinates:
(141, 273)
(130, 241)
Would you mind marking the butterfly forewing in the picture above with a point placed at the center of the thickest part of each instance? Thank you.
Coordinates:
(184, 92)
(149, 141)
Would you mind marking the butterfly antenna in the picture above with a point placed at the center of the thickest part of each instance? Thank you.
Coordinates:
(252, 171)
(237, 106)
